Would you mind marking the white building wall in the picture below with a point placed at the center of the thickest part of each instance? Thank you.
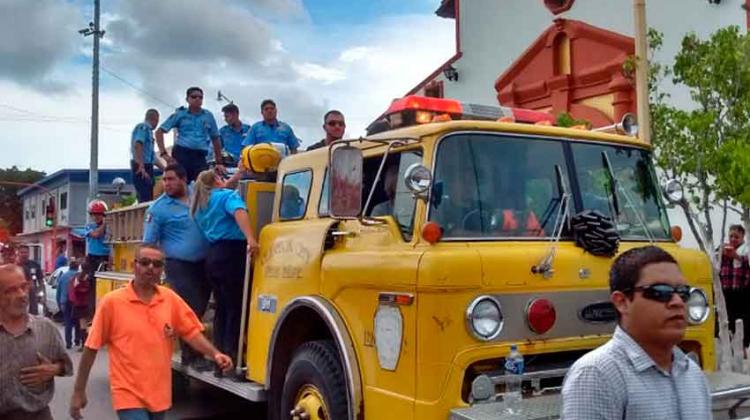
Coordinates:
(495, 33)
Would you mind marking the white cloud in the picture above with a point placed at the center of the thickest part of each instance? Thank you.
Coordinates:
(155, 46)
(355, 54)
(317, 72)
(34, 38)
(285, 9)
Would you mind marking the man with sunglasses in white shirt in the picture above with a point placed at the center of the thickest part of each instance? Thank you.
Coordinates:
(641, 373)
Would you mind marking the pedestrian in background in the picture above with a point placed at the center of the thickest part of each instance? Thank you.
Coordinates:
(169, 225)
(31, 352)
(221, 215)
(72, 326)
(143, 158)
(196, 132)
(34, 275)
(138, 324)
(271, 130)
(641, 373)
(78, 298)
(734, 273)
(61, 260)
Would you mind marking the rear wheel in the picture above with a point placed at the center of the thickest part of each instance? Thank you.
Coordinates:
(315, 386)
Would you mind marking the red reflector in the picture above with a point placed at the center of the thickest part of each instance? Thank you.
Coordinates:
(432, 232)
(541, 316)
(423, 103)
(529, 116)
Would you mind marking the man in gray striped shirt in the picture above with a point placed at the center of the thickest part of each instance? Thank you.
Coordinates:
(31, 352)
(641, 373)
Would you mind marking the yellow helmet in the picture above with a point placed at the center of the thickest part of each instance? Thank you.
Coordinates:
(261, 158)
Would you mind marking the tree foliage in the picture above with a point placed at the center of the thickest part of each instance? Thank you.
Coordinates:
(11, 209)
(707, 147)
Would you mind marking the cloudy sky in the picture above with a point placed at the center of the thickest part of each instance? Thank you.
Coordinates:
(309, 55)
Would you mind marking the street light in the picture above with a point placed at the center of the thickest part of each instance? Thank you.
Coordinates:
(450, 73)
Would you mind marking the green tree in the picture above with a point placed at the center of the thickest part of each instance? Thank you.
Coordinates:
(11, 209)
(702, 147)
(707, 147)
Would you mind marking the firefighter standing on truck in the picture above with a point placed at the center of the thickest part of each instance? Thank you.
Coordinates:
(169, 225)
(196, 132)
(97, 251)
(222, 217)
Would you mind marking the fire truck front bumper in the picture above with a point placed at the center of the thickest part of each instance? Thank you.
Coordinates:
(729, 391)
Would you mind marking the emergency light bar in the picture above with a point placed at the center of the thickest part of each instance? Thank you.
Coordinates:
(413, 110)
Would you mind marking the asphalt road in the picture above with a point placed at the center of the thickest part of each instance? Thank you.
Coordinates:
(199, 402)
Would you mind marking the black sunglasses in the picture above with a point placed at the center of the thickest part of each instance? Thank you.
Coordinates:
(339, 123)
(661, 292)
(196, 96)
(145, 262)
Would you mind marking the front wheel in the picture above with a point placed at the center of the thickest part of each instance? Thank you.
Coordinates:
(315, 385)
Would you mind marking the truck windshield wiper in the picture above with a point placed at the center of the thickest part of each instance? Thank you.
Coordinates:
(612, 187)
(615, 186)
(562, 219)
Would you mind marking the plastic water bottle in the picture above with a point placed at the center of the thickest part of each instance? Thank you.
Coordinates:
(513, 379)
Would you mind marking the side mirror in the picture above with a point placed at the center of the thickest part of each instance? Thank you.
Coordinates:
(345, 198)
(418, 179)
(673, 191)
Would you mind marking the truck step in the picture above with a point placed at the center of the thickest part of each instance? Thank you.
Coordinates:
(251, 391)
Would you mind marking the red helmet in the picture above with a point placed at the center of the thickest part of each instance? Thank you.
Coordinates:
(97, 207)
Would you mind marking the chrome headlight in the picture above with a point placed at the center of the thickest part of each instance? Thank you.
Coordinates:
(697, 307)
(484, 318)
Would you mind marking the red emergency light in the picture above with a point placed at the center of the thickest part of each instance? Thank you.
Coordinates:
(414, 110)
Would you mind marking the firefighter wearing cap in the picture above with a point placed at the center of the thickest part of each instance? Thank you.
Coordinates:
(97, 251)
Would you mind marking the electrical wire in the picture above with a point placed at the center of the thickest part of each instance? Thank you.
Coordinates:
(135, 87)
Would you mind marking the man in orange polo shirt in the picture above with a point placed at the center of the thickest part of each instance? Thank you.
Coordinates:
(138, 324)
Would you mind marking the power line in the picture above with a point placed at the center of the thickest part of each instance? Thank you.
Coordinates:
(133, 86)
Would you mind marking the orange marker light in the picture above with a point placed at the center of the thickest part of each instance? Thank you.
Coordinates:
(423, 117)
(506, 120)
(441, 118)
(676, 233)
(432, 232)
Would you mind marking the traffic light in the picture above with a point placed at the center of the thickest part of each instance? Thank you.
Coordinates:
(49, 220)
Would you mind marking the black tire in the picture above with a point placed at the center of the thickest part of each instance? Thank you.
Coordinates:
(317, 364)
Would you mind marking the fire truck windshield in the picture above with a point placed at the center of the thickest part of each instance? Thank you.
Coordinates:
(494, 186)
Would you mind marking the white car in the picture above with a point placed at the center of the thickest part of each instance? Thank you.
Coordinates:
(50, 292)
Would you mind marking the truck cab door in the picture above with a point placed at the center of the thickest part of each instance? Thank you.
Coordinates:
(370, 274)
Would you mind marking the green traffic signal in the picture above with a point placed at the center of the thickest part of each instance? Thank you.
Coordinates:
(49, 222)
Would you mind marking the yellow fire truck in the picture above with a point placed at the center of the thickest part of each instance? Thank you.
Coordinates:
(396, 270)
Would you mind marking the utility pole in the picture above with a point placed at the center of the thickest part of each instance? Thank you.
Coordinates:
(641, 70)
(94, 30)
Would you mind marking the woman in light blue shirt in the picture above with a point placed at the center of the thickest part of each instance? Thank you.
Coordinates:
(221, 215)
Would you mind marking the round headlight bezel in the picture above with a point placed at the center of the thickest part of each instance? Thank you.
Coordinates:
(707, 310)
(471, 317)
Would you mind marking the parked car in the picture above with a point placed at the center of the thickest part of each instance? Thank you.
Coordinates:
(51, 309)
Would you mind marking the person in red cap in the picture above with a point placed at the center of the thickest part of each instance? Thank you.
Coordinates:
(97, 251)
